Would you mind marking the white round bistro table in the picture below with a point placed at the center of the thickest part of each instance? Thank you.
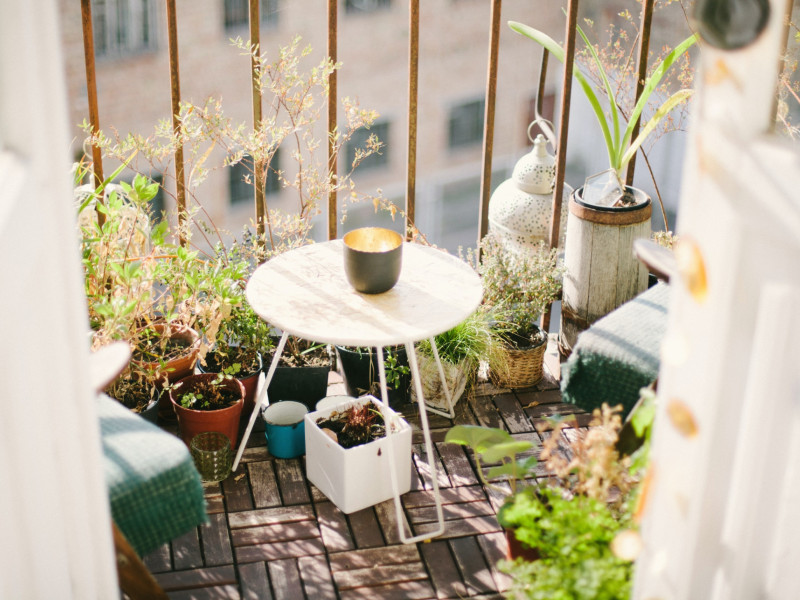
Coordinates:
(305, 293)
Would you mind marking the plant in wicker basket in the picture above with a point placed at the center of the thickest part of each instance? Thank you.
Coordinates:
(519, 287)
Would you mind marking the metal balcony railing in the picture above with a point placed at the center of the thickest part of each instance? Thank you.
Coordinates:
(413, 70)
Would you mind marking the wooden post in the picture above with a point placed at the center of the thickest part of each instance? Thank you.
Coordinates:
(175, 94)
(488, 122)
(333, 215)
(259, 196)
(413, 75)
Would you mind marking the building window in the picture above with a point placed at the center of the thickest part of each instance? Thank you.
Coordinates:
(124, 27)
(359, 140)
(237, 13)
(365, 6)
(465, 126)
(240, 179)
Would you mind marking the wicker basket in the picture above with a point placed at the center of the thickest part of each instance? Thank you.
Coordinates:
(524, 368)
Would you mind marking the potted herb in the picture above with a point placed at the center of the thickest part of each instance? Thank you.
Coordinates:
(461, 350)
(605, 215)
(348, 453)
(518, 287)
(581, 513)
(237, 351)
(138, 392)
(207, 402)
(359, 370)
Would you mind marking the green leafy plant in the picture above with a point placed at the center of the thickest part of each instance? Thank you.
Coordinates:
(620, 144)
(473, 340)
(573, 536)
(493, 445)
(517, 287)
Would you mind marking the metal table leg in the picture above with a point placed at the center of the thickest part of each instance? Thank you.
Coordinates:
(259, 397)
(451, 413)
(426, 432)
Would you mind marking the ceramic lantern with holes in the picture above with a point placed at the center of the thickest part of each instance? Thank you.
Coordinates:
(521, 207)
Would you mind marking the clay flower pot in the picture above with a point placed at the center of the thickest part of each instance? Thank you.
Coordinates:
(224, 420)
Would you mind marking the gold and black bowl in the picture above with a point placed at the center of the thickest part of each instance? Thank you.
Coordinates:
(373, 257)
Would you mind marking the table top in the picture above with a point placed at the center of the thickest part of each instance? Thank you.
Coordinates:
(305, 293)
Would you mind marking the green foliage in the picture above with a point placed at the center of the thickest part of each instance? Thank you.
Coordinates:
(493, 445)
(468, 343)
(518, 287)
(620, 148)
(573, 536)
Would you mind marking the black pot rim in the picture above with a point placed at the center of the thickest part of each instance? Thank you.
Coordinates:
(577, 195)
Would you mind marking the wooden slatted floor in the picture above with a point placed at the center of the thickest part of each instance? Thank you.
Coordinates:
(274, 535)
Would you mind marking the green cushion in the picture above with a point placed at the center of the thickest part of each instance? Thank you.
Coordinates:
(154, 487)
(618, 355)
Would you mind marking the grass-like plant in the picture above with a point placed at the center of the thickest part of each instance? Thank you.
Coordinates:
(620, 145)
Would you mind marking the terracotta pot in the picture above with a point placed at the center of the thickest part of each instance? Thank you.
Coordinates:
(225, 420)
(516, 549)
(250, 383)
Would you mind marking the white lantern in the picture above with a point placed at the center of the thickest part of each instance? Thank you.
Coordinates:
(521, 207)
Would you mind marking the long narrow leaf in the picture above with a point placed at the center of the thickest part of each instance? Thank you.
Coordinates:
(609, 92)
(552, 46)
(109, 179)
(663, 110)
(651, 84)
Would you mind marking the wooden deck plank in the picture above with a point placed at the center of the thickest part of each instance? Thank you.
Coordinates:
(278, 550)
(216, 541)
(514, 417)
(334, 528)
(473, 567)
(217, 592)
(444, 572)
(255, 582)
(292, 481)
(471, 493)
(196, 578)
(407, 590)
(365, 528)
(267, 516)
(186, 551)
(387, 517)
(387, 555)
(315, 574)
(276, 532)
(159, 560)
(457, 464)
(494, 547)
(237, 490)
(264, 484)
(379, 576)
(285, 578)
(423, 462)
(452, 512)
(461, 527)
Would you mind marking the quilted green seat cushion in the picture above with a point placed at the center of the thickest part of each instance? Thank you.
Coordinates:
(618, 355)
(154, 487)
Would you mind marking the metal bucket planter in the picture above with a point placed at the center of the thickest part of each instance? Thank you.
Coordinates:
(455, 375)
(601, 269)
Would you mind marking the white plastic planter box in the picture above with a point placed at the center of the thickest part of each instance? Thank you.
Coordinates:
(358, 477)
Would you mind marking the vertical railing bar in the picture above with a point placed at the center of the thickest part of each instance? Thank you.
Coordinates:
(332, 94)
(644, 51)
(563, 131)
(259, 195)
(488, 123)
(91, 91)
(175, 89)
(413, 77)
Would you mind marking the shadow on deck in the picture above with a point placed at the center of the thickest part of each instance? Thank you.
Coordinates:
(274, 535)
